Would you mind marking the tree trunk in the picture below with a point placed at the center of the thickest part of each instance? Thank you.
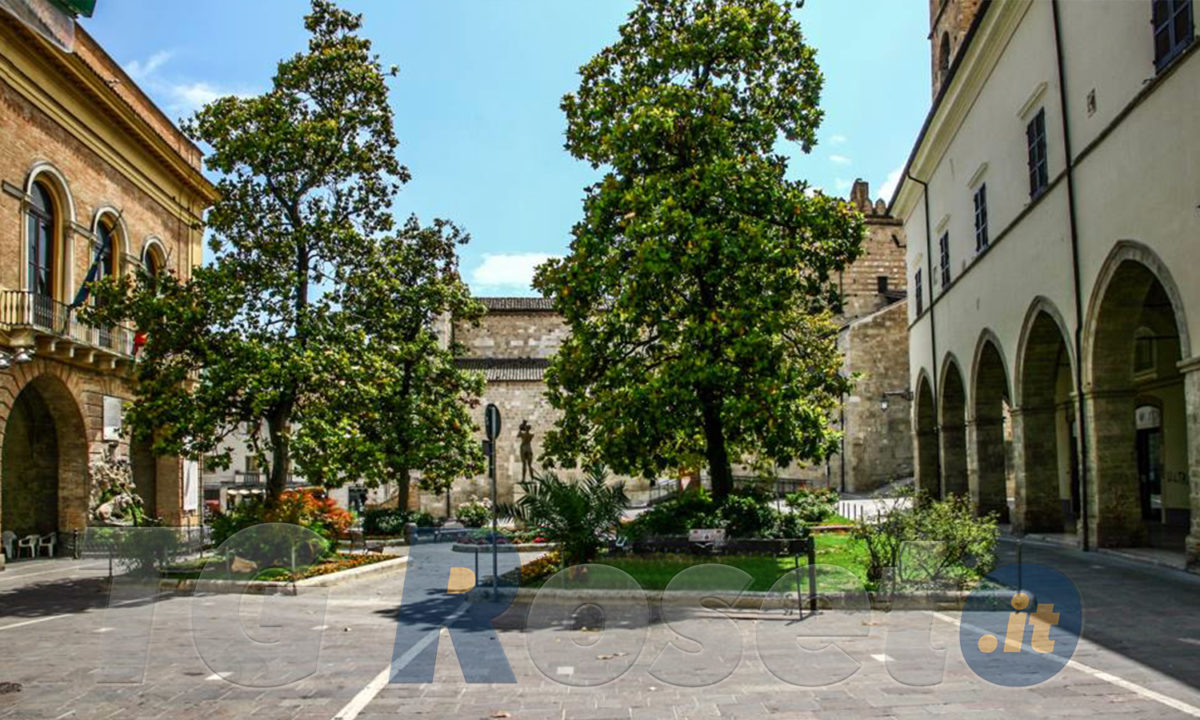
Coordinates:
(402, 486)
(715, 451)
(277, 426)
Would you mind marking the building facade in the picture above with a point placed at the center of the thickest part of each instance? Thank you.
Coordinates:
(93, 176)
(1051, 209)
(876, 446)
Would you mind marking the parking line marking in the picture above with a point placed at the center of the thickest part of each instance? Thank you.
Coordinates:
(34, 622)
(364, 697)
(1107, 677)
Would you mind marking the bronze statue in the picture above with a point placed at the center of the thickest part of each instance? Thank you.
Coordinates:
(525, 433)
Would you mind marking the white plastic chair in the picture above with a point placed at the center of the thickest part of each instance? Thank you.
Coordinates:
(29, 542)
(47, 542)
(9, 539)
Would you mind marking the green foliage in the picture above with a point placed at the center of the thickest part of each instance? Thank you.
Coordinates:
(474, 513)
(384, 521)
(698, 289)
(313, 315)
(930, 543)
(747, 514)
(575, 514)
(303, 508)
(813, 505)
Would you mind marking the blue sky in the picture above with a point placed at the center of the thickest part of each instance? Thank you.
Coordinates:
(478, 93)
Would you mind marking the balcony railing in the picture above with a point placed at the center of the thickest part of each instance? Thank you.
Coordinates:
(24, 309)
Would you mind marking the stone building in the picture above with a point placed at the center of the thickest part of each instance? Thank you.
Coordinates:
(93, 175)
(873, 337)
(511, 346)
(1051, 208)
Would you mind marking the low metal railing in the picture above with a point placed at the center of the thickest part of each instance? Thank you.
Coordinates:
(27, 309)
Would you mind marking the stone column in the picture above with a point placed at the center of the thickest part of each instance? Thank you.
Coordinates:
(954, 460)
(986, 466)
(1191, 391)
(1035, 450)
(925, 451)
(1114, 506)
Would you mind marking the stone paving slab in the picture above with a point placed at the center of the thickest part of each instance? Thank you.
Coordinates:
(344, 637)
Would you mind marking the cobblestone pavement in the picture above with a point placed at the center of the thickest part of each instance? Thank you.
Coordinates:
(75, 659)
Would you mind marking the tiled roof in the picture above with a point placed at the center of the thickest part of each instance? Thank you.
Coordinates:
(517, 304)
(507, 369)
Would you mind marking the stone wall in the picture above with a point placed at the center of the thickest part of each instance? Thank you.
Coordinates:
(878, 443)
(508, 334)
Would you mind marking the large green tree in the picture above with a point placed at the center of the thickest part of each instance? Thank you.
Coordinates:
(409, 408)
(698, 285)
(277, 328)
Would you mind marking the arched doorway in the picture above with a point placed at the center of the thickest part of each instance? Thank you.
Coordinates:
(1048, 497)
(991, 421)
(43, 462)
(954, 432)
(1138, 455)
(925, 422)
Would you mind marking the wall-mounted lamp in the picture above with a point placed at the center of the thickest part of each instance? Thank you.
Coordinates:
(903, 394)
(21, 355)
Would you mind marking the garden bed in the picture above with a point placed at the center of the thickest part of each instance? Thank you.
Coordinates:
(503, 547)
(324, 573)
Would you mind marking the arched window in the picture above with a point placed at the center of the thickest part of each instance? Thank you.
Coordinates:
(106, 254)
(944, 57)
(41, 223)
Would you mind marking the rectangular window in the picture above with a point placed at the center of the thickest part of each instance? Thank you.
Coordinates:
(919, 293)
(1035, 136)
(944, 249)
(881, 283)
(981, 223)
(1173, 30)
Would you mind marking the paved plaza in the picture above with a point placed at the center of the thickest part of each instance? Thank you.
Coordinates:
(323, 655)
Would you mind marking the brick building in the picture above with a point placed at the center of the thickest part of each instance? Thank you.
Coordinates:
(873, 338)
(92, 173)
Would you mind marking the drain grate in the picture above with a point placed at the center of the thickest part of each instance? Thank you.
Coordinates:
(7, 688)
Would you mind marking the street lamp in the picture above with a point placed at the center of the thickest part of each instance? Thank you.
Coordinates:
(903, 394)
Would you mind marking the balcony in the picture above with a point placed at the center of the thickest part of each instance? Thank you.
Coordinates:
(30, 319)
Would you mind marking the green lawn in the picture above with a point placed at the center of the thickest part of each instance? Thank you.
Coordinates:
(655, 572)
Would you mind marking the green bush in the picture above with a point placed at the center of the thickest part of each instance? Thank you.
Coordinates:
(474, 513)
(930, 543)
(575, 514)
(746, 514)
(424, 520)
(747, 517)
(813, 505)
(384, 521)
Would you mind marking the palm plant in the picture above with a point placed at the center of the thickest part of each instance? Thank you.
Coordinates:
(574, 514)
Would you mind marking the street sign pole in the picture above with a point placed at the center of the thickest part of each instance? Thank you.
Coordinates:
(491, 424)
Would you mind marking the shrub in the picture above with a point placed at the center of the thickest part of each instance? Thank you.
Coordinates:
(475, 512)
(384, 521)
(790, 525)
(813, 505)
(576, 515)
(747, 517)
(933, 542)
(693, 509)
(310, 509)
(424, 519)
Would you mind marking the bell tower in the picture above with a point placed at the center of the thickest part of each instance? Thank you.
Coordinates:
(949, 21)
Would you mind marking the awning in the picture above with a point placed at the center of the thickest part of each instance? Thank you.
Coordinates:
(77, 7)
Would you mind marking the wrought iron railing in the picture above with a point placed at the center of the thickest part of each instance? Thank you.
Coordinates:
(27, 309)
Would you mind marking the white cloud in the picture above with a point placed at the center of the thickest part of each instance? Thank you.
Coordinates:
(179, 98)
(186, 98)
(888, 188)
(507, 272)
(141, 70)
(840, 160)
(842, 185)
(837, 139)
